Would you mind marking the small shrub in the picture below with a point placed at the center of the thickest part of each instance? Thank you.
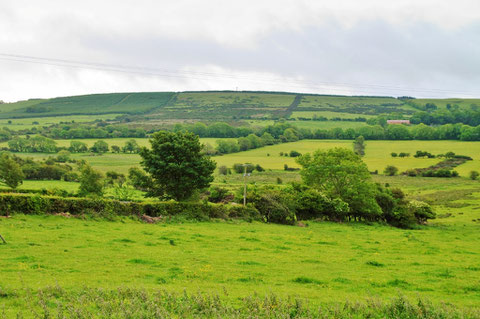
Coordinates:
(390, 170)
(474, 175)
(393, 154)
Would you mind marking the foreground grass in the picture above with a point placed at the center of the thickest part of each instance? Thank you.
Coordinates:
(55, 302)
(324, 263)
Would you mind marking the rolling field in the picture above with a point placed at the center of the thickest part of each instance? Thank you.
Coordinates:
(442, 103)
(328, 115)
(324, 262)
(28, 123)
(170, 107)
(87, 104)
(377, 154)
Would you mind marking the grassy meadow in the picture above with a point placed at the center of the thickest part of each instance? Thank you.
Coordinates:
(28, 123)
(324, 262)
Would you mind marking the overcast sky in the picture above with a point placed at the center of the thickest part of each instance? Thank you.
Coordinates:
(423, 48)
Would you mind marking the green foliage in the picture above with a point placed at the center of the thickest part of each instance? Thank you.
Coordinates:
(35, 144)
(63, 156)
(474, 175)
(340, 173)
(274, 205)
(390, 170)
(11, 173)
(91, 182)
(219, 194)
(78, 147)
(359, 146)
(177, 165)
(100, 147)
(139, 179)
(131, 146)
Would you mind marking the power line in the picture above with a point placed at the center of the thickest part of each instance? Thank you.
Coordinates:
(161, 72)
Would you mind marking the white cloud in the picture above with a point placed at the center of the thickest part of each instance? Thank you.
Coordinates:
(408, 43)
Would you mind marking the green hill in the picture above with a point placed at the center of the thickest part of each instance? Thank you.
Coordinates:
(220, 105)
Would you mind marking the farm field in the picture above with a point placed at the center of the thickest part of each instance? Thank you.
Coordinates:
(328, 115)
(377, 154)
(28, 123)
(324, 262)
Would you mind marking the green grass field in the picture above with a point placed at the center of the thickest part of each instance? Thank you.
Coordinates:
(377, 155)
(442, 103)
(324, 262)
(28, 123)
(328, 115)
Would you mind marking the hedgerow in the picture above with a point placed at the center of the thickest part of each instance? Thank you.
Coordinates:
(34, 204)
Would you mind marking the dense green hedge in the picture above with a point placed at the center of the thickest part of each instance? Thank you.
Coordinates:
(11, 203)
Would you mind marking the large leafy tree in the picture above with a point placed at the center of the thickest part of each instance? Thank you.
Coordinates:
(340, 173)
(11, 173)
(177, 165)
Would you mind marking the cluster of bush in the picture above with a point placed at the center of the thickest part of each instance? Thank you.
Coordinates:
(297, 201)
(240, 168)
(401, 154)
(37, 204)
(101, 129)
(42, 144)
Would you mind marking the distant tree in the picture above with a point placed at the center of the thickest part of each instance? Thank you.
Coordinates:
(11, 173)
(131, 146)
(139, 179)
(115, 149)
(393, 154)
(267, 139)
(91, 181)
(177, 164)
(294, 154)
(474, 175)
(223, 170)
(63, 156)
(359, 146)
(100, 147)
(78, 147)
(390, 170)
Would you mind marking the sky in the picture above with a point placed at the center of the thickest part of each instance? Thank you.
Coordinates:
(421, 48)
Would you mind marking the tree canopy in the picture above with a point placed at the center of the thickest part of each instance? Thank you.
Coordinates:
(177, 164)
(340, 173)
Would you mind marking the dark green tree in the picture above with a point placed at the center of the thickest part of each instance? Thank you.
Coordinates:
(390, 170)
(177, 164)
(11, 173)
(100, 147)
(359, 146)
(91, 182)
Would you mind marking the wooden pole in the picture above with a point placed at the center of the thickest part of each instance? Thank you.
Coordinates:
(3, 239)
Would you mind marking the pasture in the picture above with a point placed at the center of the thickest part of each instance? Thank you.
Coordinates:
(28, 123)
(324, 262)
(377, 154)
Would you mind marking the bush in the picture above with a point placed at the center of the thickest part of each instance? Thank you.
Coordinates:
(218, 194)
(295, 154)
(274, 206)
(390, 170)
(474, 175)
(421, 210)
(36, 204)
(393, 154)
(223, 170)
(240, 168)
(258, 168)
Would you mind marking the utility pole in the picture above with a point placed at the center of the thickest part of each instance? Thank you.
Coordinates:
(245, 184)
